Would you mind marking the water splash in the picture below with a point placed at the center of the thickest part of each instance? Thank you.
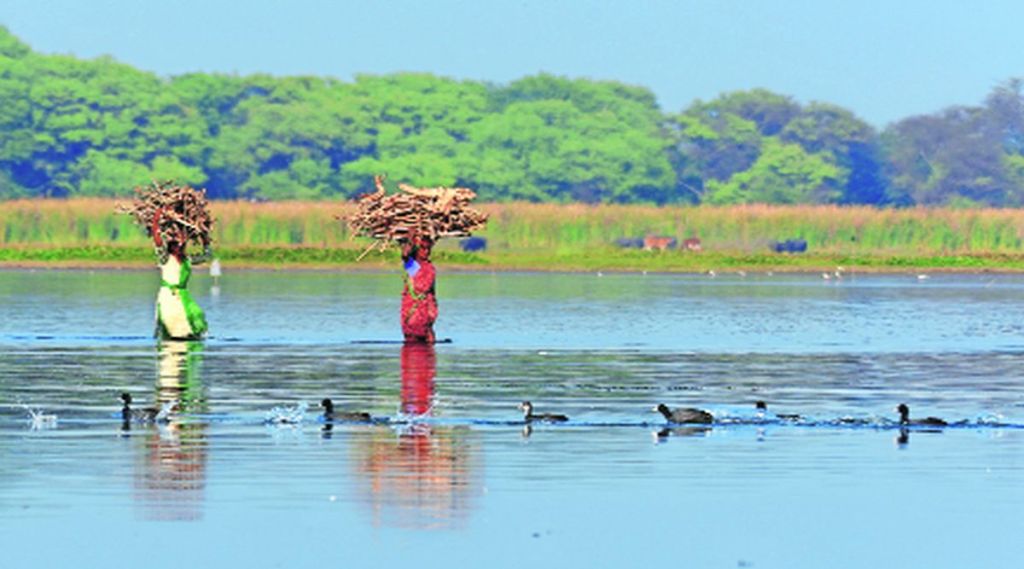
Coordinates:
(284, 415)
(164, 415)
(991, 420)
(39, 420)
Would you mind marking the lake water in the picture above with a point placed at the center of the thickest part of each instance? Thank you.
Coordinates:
(447, 475)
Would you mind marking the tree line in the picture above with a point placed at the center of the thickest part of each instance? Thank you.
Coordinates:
(73, 127)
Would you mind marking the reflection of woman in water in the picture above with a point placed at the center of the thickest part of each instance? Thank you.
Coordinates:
(429, 476)
(178, 316)
(418, 365)
(178, 376)
(170, 468)
(419, 304)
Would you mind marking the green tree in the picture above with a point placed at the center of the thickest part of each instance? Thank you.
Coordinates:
(101, 174)
(783, 174)
(419, 125)
(553, 138)
(288, 140)
(10, 46)
(955, 156)
(852, 143)
(720, 143)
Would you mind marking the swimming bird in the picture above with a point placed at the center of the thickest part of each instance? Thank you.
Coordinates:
(762, 408)
(528, 415)
(144, 415)
(684, 414)
(904, 412)
(331, 415)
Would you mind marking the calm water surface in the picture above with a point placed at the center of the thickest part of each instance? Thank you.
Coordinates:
(447, 474)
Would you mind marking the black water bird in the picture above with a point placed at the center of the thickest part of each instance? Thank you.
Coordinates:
(353, 416)
(684, 414)
(529, 416)
(904, 412)
(144, 415)
(762, 408)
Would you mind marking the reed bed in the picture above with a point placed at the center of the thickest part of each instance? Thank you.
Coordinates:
(538, 229)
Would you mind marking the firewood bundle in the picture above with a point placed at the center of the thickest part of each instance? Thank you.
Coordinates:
(427, 212)
(184, 214)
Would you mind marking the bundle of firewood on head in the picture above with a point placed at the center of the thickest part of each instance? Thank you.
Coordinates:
(174, 217)
(428, 213)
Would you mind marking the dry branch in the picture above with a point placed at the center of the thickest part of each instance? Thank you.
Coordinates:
(184, 214)
(428, 212)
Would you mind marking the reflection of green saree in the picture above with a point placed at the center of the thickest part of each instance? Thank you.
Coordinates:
(178, 314)
(178, 377)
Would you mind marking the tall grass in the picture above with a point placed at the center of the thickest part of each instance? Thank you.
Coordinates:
(827, 229)
(93, 221)
(553, 229)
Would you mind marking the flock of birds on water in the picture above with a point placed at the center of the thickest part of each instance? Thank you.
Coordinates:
(295, 415)
(676, 416)
(695, 419)
(680, 416)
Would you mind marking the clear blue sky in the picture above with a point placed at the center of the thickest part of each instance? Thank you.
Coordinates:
(884, 60)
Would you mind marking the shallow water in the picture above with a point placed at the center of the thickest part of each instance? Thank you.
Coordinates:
(448, 475)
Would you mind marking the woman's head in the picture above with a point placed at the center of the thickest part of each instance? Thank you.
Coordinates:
(422, 247)
(176, 243)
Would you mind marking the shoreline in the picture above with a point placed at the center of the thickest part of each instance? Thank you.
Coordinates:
(612, 261)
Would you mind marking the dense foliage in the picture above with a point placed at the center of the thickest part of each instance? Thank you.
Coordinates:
(73, 127)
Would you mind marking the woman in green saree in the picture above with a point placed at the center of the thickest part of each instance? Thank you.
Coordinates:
(178, 317)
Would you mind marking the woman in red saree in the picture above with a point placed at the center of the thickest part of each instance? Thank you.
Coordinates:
(419, 304)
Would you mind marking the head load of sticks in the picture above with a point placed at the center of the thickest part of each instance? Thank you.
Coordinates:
(174, 216)
(430, 213)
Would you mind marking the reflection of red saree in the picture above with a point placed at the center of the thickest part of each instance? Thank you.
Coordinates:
(418, 363)
(419, 305)
(429, 476)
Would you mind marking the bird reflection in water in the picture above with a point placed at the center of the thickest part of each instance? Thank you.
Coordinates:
(428, 476)
(526, 431)
(170, 470)
(662, 435)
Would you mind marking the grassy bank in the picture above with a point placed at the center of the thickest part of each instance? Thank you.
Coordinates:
(605, 259)
(546, 237)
